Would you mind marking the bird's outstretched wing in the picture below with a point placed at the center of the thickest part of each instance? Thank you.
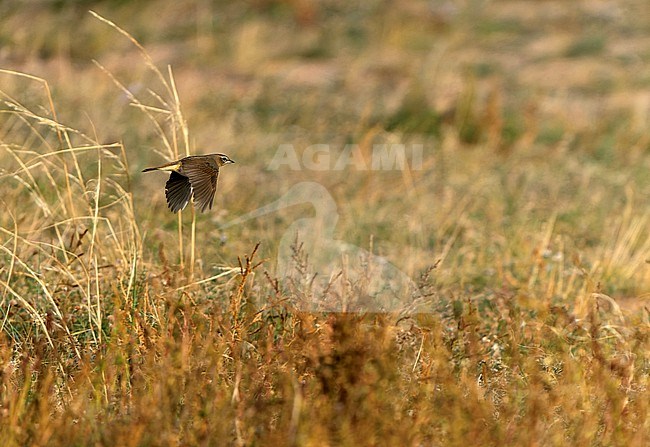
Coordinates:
(203, 179)
(178, 191)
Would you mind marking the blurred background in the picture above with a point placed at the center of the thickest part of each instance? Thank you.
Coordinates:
(532, 116)
(525, 222)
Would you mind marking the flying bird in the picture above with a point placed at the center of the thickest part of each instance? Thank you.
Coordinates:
(194, 175)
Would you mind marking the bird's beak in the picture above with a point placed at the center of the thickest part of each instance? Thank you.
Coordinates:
(230, 161)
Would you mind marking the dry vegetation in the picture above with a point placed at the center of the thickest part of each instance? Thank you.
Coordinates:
(527, 228)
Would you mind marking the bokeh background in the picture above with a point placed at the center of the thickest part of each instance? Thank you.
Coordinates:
(530, 113)
(526, 226)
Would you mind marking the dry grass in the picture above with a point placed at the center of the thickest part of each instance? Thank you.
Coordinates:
(526, 230)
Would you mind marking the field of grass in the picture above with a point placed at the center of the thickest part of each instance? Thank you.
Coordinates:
(524, 226)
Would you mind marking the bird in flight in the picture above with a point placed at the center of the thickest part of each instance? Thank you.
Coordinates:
(194, 175)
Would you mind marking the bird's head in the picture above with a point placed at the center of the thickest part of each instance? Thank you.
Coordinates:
(222, 159)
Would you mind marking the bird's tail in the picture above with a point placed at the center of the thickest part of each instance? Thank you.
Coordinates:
(173, 166)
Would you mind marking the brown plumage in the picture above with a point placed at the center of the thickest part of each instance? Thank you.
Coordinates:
(194, 175)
